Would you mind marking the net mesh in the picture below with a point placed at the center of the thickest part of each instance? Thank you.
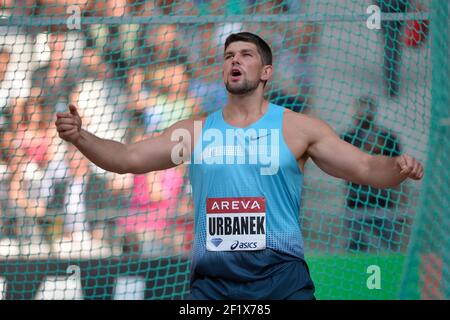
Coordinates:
(70, 230)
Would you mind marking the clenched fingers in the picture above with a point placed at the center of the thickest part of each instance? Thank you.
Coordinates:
(410, 167)
(65, 127)
(68, 133)
(64, 120)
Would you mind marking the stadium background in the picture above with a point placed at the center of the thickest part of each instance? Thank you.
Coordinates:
(135, 67)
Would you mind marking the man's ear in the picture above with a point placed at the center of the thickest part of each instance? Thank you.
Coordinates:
(266, 73)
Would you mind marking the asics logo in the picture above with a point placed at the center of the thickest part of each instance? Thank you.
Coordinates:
(243, 245)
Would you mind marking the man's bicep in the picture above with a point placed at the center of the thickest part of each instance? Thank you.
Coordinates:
(162, 152)
(338, 157)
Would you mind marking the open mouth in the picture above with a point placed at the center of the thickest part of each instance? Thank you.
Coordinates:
(235, 74)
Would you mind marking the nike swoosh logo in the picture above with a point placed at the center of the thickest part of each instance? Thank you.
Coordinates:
(258, 137)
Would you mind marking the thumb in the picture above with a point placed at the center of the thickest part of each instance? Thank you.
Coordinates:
(73, 110)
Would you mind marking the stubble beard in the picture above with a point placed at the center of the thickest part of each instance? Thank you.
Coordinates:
(241, 88)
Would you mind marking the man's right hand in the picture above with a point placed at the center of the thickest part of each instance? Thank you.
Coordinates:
(68, 125)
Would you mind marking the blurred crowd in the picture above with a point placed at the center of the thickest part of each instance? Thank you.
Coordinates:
(129, 81)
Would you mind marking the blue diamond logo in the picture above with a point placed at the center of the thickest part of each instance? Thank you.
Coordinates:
(216, 241)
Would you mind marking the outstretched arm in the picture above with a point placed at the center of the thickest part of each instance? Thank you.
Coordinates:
(141, 157)
(343, 160)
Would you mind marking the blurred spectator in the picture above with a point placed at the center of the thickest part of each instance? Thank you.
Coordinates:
(204, 45)
(108, 8)
(392, 31)
(162, 43)
(267, 30)
(293, 86)
(154, 207)
(157, 199)
(162, 7)
(141, 94)
(221, 7)
(17, 7)
(372, 217)
(294, 45)
(173, 102)
(118, 42)
(187, 8)
(102, 102)
(16, 51)
(416, 31)
(4, 94)
(58, 78)
(94, 65)
(57, 7)
(31, 151)
(142, 8)
(267, 7)
(67, 44)
(8, 246)
(206, 84)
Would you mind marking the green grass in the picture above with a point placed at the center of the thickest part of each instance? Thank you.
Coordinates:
(345, 276)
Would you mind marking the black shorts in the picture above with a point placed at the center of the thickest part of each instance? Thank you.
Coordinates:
(291, 282)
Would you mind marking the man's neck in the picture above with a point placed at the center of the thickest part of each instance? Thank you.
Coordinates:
(243, 108)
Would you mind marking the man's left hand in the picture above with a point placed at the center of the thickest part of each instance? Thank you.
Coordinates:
(410, 167)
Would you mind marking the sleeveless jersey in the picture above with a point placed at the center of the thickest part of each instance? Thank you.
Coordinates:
(246, 187)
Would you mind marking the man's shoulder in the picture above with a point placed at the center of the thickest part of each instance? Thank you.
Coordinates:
(302, 121)
(307, 127)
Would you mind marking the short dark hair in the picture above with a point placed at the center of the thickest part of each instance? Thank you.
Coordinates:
(263, 48)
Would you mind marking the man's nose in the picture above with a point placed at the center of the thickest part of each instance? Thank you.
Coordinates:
(235, 59)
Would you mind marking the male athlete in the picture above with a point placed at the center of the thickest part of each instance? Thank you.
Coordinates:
(246, 169)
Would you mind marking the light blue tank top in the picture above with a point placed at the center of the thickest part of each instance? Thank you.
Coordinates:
(248, 163)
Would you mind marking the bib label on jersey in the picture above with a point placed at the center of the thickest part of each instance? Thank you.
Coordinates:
(236, 224)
